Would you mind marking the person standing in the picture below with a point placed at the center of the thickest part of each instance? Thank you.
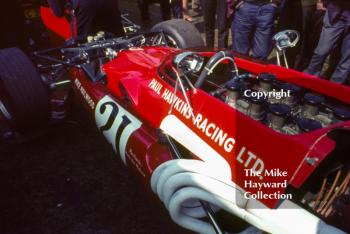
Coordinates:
(214, 13)
(186, 14)
(313, 14)
(92, 15)
(179, 9)
(252, 27)
(165, 8)
(336, 24)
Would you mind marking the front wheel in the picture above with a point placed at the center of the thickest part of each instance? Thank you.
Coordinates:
(179, 33)
(24, 100)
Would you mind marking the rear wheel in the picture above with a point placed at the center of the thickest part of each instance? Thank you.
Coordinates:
(179, 33)
(24, 100)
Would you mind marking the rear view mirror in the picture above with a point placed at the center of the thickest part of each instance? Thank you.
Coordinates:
(286, 39)
(283, 40)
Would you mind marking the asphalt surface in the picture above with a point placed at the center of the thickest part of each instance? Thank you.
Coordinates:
(70, 181)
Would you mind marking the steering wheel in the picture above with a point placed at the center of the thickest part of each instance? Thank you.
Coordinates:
(188, 62)
(213, 62)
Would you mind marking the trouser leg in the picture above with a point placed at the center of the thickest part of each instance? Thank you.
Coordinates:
(208, 10)
(342, 70)
(176, 8)
(329, 37)
(311, 34)
(85, 14)
(242, 27)
(262, 40)
(165, 8)
(143, 6)
(98, 15)
(221, 23)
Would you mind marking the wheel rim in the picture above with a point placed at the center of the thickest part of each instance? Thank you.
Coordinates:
(171, 41)
(4, 111)
(165, 40)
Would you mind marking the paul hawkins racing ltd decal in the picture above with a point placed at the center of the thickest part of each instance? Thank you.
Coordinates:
(116, 124)
(211, 131)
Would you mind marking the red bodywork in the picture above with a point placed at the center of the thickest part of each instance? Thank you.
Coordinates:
(128, 83)
(135, 84)
(59, 25)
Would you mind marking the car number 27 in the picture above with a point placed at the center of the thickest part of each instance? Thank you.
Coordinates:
(116, 124)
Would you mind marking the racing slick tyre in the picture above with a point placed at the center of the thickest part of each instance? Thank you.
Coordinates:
(24, 100)
(180, 32)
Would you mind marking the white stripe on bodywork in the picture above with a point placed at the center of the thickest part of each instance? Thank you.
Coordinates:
(178, 130)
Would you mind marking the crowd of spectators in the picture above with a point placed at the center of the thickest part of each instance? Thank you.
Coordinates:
(324, 50)
(323, 25)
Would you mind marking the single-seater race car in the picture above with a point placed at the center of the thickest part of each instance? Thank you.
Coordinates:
(207, 131)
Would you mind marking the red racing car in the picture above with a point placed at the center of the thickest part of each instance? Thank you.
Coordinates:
(206, 131)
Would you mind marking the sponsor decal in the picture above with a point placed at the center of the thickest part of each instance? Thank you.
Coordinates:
(83, 93)
(210, 129)
(116, 124)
